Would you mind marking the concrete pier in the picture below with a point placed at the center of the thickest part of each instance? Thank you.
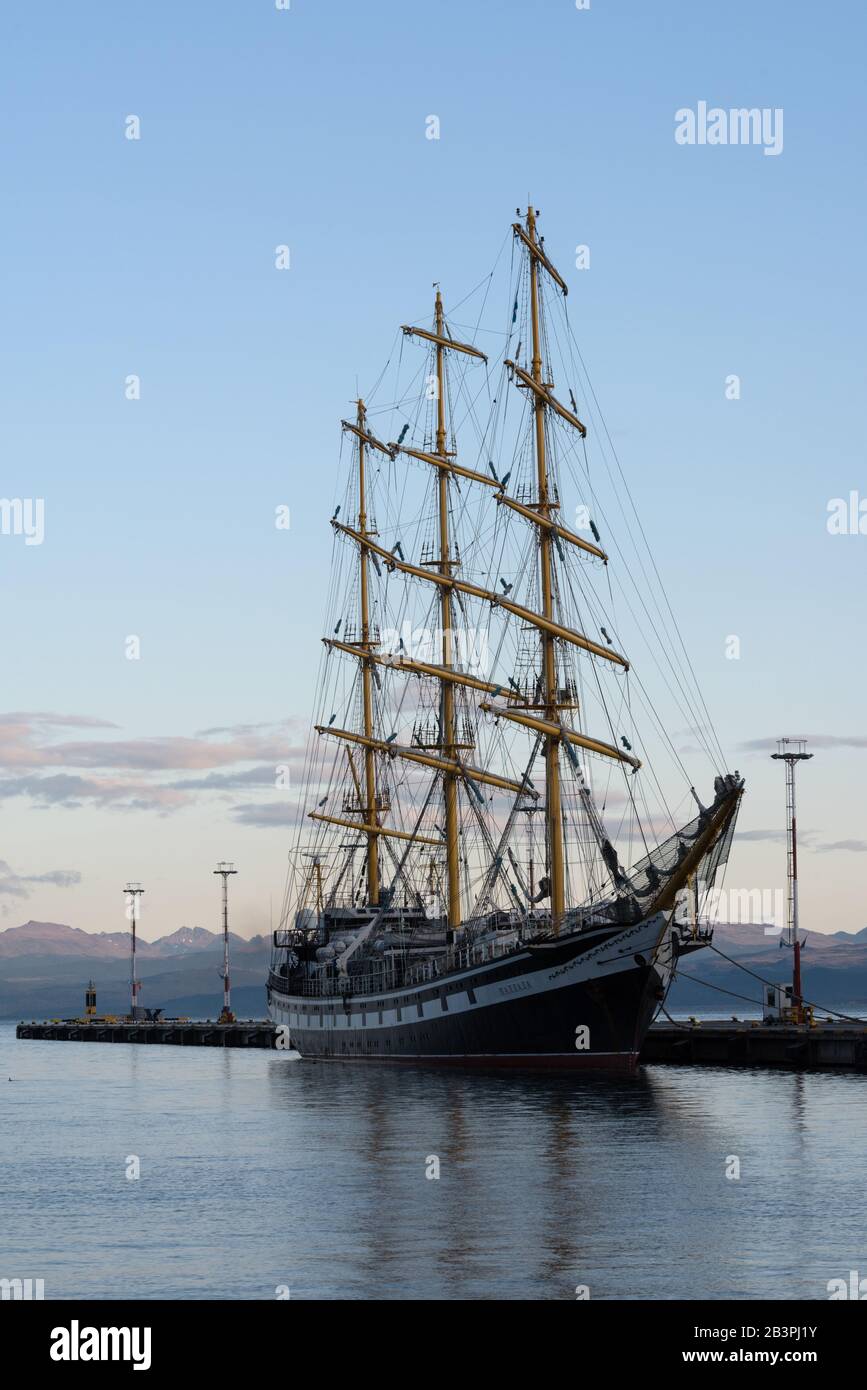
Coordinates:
(255, 1032)
(730, 1043)
(716, 1043)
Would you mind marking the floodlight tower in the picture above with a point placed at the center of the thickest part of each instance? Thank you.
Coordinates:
(224, 869)
(792, 751)
(132, 892)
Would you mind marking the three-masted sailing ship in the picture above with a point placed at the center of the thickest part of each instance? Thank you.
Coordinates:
(459, 892)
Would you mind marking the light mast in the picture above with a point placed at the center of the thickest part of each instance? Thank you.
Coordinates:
(225, 869)
(132, 892)
(792, 751)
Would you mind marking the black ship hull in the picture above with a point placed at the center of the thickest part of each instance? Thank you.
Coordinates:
(580, 1004)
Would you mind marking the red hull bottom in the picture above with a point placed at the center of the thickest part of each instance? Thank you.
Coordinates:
(622, 1063)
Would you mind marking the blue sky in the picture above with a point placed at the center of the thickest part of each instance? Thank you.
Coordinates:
(306, 127)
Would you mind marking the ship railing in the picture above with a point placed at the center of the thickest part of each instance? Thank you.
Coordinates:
(424, 973)
(287, 937)
(696, 929)
(458, 958)
(346, 985)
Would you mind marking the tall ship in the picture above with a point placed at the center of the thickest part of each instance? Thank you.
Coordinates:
(500, 856)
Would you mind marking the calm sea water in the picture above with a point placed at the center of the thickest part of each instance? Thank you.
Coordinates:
(258, 1171)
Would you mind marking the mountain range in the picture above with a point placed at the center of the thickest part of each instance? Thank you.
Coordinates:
(833, 971)
(56, 939)
(45, 966)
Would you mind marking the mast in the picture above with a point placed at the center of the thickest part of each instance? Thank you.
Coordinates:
(447, 691)
(553, 809)
(370, 810)
(444, 463)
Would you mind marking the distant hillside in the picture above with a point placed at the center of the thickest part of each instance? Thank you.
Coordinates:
(45, 967)
(833, 970)
(55, 939)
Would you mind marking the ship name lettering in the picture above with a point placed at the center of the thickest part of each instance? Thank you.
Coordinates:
(516, 987)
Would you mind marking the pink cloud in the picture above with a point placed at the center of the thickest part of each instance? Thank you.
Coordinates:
(46, 772)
